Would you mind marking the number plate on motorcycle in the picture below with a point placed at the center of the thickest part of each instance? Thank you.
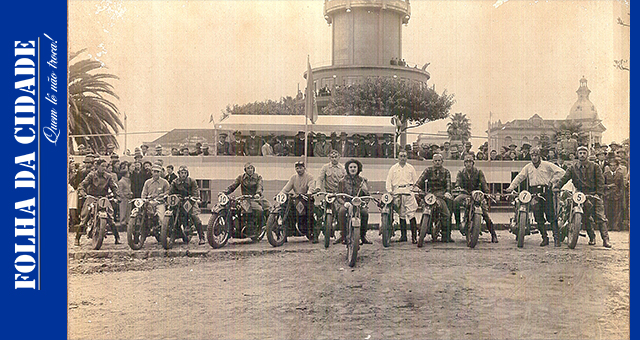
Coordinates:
(173, 200)
(524, 197)
(579, 197)
(281, 198)
(430, 199)
(223, 199)
(387, 198)
(103, 202)
(187, 205)
(138, 202)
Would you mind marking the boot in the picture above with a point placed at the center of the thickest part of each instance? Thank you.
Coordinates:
(200, 233)
(114, 227)
(403, 230)
(556, 233)
(363, 238)
(604, 233)
(340, 239)
(494, 237)
(77, 243)
(414, 230)
(543, 233)
(446, 235)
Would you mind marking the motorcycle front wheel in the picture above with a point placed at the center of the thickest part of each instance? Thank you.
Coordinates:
(168, 232)
(387, 227)
(574, 230)
(328, 226)
(426, 220)
(135, 239)
(353, 243)
(218, 231)
(276, 230)
(522, 227)
(98, 234)
(474, 233)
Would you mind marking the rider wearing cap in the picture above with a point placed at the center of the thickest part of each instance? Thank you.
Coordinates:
(302, 183)
(470, 179)
(437, 180)
(587, 178)
(186, 186)
(155, 188)
(250, 183)
(541, 175)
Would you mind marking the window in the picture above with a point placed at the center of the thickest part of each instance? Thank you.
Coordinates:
(205, 192)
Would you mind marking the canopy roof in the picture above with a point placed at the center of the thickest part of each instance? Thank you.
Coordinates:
(290, 125)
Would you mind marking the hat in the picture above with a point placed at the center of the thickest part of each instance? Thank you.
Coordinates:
(88, 159)
(237, 133)
(223, 134)
(158, 147)
(512, 146)
(385, 135)
(137, 153)
(156, 167)
(582, 147)
(205, 145)
(321, 135)
(600, 151)
(301, 132)
(299, 162)
(183, 168)
(447, 142)
(343, 133)
(145, 162)
(248, 164)
(144, 146)
(111, 146)
(526, 145)
(115, 156)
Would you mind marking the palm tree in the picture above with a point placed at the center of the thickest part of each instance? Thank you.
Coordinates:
(90, 112)
(459, 128)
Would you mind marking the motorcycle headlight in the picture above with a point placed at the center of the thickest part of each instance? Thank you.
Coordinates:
(387, 198)
(430, 199)
(579, 197)
(281, 198)
(356, 201)
(477, 195)
(524, 197)
(223, 199)
(138, 202)
(103, 202)
(173, 200)
(330, 198)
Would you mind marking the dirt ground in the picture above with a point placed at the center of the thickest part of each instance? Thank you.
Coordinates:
(442, 291)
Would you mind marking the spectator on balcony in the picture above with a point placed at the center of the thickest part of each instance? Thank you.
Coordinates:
(298, 144)
(222, 147)
(358, 146)
(144, 149)
(524, 152)
(334, 140)
(184, 150)
(494, 155)
(393, 61)
(388, 146)
(197, 151)
(280, 146)
(374, 149)
(205, 149)
(345, 146)
(322, 147)
(454, 153)
(252, 145)
(237, 146)
(267, 148)
(446, 150)
(175, 151)
(158, 150)
(310, 143)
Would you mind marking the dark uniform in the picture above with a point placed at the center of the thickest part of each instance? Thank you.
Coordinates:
(587, 178)
(251, 185)
(373, 148)
(252, 146)
(189, 188)
(98, 186)
(471, 181)
(438, 182)
(354, 186)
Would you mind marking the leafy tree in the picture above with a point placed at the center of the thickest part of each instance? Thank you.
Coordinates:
(285, 106)
(90, 110)
(459, 128)
(570, 127)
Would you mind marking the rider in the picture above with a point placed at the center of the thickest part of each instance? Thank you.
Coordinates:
(438, 182)
(186, 186)
(330, 175)
(400, 179)
(354, 185)
(250, 183)
(303, 183)
(97, 184)
(155, 188)
(587, 178)
(469, 178)
(541, 176)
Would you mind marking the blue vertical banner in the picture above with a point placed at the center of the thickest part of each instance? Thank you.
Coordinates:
(33, 261)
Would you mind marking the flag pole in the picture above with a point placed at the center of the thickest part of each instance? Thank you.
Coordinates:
(124, 152)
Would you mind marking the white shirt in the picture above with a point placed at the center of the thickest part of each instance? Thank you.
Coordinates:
(401, 178)
(542, 175)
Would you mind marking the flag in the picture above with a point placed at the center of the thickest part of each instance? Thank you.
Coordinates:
(310, 106)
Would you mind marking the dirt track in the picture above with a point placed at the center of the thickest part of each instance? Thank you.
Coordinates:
(443, 291)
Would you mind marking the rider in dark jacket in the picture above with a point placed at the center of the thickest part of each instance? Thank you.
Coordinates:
(186, 186)
(354, 185)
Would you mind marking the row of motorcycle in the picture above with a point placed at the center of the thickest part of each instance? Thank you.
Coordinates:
(233, 217)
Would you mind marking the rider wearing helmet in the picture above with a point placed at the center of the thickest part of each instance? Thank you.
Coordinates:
(437, 180)
(186, 186)
(250, 183)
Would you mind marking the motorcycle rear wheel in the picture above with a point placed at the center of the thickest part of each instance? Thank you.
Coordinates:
(574, 230)
(98, 234)
(522, 228)
(276, 230)
(134, 230)
(353, 243)
(218, 231)
(474, 233)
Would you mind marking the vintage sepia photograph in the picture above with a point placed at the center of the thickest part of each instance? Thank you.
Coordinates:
(348, 169)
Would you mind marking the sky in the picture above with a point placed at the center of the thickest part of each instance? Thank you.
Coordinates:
(181, 61)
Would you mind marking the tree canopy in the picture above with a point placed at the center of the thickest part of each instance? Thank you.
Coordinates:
(459, 128)
(285, 106)
(91, 112)
(411, 103)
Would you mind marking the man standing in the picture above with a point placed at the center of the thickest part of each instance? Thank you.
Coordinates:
(613, 193)
(437, 180)
(137, 179)
(400, 179)
(588, 179)
(252, 145)
(237, 146)
(387, 146)
(267, 147)
(170, 174)
(222, 148)
(298, 144)
(345, 147)
(186, 186)
(470, 179)
(322, 147)
(541, 176)
(280, 147)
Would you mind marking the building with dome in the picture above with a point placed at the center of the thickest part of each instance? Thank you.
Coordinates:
(521, 131)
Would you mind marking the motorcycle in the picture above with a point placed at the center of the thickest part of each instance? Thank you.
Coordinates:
(285, 216)
(232, 217)
(100, 215)
(353, 224)
(325, 215)
(472, 217)
(523, 215)
(387, 226)
(143, 221)
(571, 215)
(430, 223)
(177, 221)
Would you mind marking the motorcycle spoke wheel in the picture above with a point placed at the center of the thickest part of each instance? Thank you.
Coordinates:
(574, 230)
(328, 229)
(99, 234)
(134, 237)
(426, 220)
(217, 231)
(522, 228)
(276, 233)
(353, 243)
(474, 233)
